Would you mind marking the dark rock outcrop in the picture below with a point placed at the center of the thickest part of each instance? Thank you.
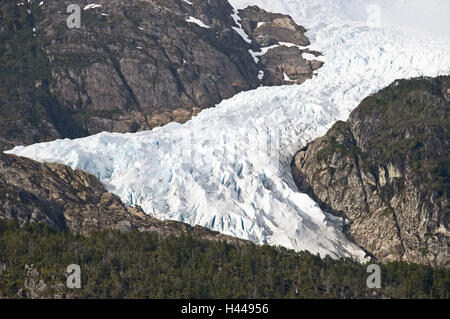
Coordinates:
(133, 65)
(271, 28)
(285, 64)
(387, 171)
(281, 64)
(67, 199)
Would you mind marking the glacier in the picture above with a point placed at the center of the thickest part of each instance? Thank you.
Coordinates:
(228, 168)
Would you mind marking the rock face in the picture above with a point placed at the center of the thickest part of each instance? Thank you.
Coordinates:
(133, 65)
(270, 28)
(387, 171)
(285, 64)
(281, 64)
(72, 200)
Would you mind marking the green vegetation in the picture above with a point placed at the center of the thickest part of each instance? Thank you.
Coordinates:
(406, 123)
(411, 121)
(332, 146)
(145, 265)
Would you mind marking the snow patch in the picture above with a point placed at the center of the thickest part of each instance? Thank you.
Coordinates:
(260, 24)
(240, 30)
(197, 22)
(92, 6)
(287, 78)
(261, 75)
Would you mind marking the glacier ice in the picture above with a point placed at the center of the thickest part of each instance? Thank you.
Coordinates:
(229, 168)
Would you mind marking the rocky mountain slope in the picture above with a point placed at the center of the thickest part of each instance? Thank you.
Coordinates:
(67, 199)
(386, 170)
(134, 65)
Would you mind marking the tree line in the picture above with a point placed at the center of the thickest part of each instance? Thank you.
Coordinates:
(146, 265)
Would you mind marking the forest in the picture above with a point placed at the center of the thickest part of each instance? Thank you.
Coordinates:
(146, 265)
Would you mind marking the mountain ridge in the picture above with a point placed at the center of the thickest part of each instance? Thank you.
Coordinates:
(387, 171)
(72, 200)
(132, 66)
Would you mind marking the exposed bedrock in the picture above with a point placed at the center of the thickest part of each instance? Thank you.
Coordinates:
(133, 65)
(387, 171)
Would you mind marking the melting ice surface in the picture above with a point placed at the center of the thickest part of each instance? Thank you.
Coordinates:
(229, 168)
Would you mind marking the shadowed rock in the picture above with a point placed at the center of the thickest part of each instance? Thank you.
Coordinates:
(67, 199)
